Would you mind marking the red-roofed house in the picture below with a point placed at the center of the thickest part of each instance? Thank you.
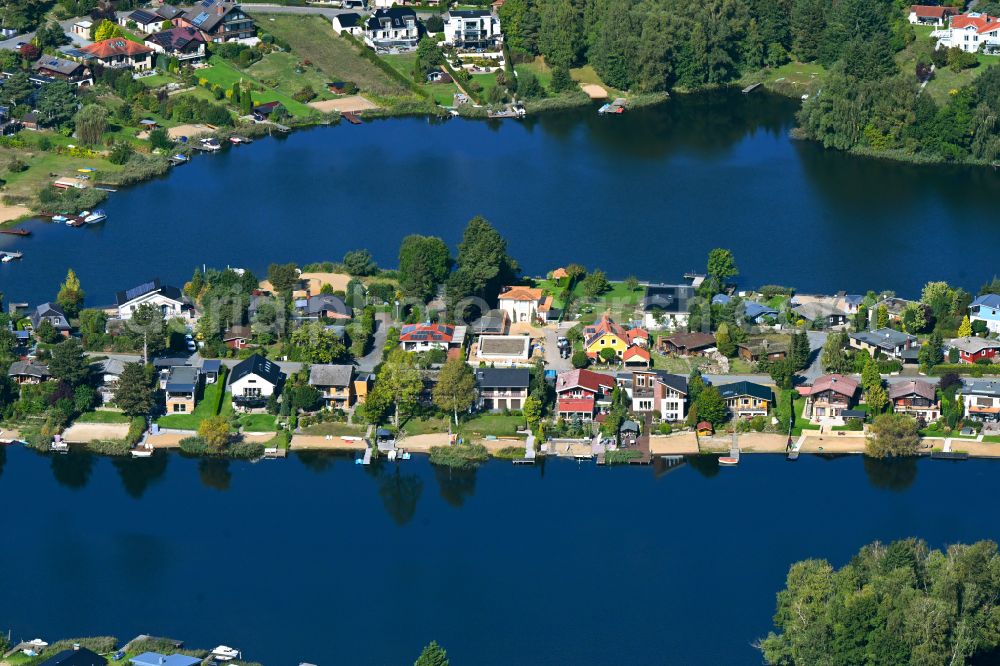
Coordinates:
(972, 32)
(118, 53)
(583, 393)
(606, 334)
(636, 356)
(829, 397)
(422, 337)
(525, 304)
(930, 14)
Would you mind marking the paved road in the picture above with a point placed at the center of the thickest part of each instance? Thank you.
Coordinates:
(67, 26)
(816, 341)
(368, 363)
(261, 8)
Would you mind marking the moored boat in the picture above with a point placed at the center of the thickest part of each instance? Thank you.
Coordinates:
(93, 218)
(727, 461)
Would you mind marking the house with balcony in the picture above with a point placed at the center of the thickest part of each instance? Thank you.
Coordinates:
(167, 299)
(668, 306)
(525, 304)
(747, 399)
(916, 398)
(972, 32)
(888, 342)
(656, 391)
(972, 349)
(936, 15)
(220, 21)
(424, 337)
(184, 43)
(986, 308)
(828, 398)
(61, 69)
(181, 389)
(253, 381)
(583, 394)
(393, 29)
(120, 53)
(982, 399)
(335, 384)
(472, 30)
(108, 371)
(502, 388)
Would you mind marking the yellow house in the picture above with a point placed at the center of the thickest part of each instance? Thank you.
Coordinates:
(605, 334)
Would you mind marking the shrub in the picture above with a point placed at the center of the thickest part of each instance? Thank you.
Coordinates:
(665, 429)
(464, 456)
(620, 457)
(246, 450)
(120, 153)
(193, 445)
(509, 453)
(109, 447)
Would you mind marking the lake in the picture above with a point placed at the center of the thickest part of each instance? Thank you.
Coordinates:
(647, 193)
(317, 559)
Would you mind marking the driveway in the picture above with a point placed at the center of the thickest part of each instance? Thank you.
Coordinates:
(552, 359)
(374, 357)
(816, 341)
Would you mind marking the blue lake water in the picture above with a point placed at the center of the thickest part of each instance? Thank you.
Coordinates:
(317, 559)
(647, 193)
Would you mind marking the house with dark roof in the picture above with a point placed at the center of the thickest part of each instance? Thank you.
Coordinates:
(168, 12)
(219, 20)
(322, 306)
(747, 399)
(146, 21)
(393, 29)
(78, 656)
(169, 300)
(254, 380)
(668, 306)
(109, 371)
(120, 53)
(28, 372)
(581, 394)
(237, 337)
(493, 322)
(822, 310)
(472, 29)
(695, 343)
(210, 369)
(52, 313)
(982, 399)
(502, 388)
(423, 337)
(656, 391)
(181, 389)
(349, 22)
(916, 398)
(335, 384)
(755, 351)
(182, 42)
(972, 349)
(62, 69)
(887, 342)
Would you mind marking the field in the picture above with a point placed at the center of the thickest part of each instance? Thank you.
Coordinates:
(223, 74)
(944, 80)
(586, 75)
(23, 185)
(287, 74)
(538, 68)
(442, 93)
(312, 38)
(334, 429)
(482, 425)
(792, 78)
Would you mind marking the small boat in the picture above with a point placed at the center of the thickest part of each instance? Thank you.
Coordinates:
(236, 140)
(94, 217)
(210, 144)
(180, 158)
(60, 218)
(15, 232)
(726, 461)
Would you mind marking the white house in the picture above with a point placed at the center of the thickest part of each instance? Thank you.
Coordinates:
(930, 14)
(146, 21)
(424, 337)
(169, 300)
(396, 29)
(82, 28)
(351, 23)
(254, 380)
(472, 29)
(982, 399)
(110, 371)
(972, 32)
(986, 308)
(525, 304)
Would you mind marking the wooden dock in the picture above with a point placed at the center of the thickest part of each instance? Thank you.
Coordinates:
(950, 455)
(351, 118)
(368, 456)
(750, 88)
(529, 452)
(15, 232)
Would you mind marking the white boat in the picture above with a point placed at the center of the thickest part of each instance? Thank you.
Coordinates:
(6, 258)
(225, 653)
(728, 462)
(210, 144)
(94, 217)
(60, 218)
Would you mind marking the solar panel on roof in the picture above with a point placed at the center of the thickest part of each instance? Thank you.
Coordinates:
(200, 18)
(136, 292)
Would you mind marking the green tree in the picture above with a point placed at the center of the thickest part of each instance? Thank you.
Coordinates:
(882, 317)
(68, 362)
(781, 373)
(106, 30)
(215, 432)
(17, 89)
(695, 385)
(532, 411)
(455, 390)
(723, 342)
(134, 394)
(833, 357)
(595, 284)
(360, 263)
(432, 655)
(931, 353)
(893, 435)
(608, 355)
(721, 268)
(711, 406)
(965, 328)
(482, 266)
(580, 359)
(283, 277)
(800, 351)
(46, 332)
(400, 380)
(56, 103)
(146, 330)
(314, 343)
(424, 264)
(561, 34)
(70, 297)
(91, 122)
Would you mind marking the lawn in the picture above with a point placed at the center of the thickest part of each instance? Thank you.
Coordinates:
(425, 425)
(677, 365)
(539, 69)
(944, 79)
(334, 429)
(157, 80)
(23, 185)
(287, 74)
(498, 425)
(102, 416)
(209, 404)
(442, 93)
(801, 423)
(313, 39)
(587, 75)
(258, 423)
(223, 74)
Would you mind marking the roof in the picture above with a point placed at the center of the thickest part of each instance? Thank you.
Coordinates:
(576, 404)
(695, 340)
(603, 326)
(884, 338)
(54, 64)
(211, 365)
(115, 46)
(323, 303)
(80, 656)
(469, 13)
(635, 352)
(111, 366)
(182, 379)
(427, 333)
(520, 293)
(676, 382)
(670, 298)
(854, 299)
(169, 12)
(914, 386)
(737, 389)
(721, 299)
(837, 383)
(559, 273)
(28, 369)
(973, 345)
(987, 300)
(634, 334)
(157, 659)
(146, 288)
(981, 387)
(142, 16)
(816, 309)
(753, 310)
(348, 19)
(237, 333)
(980, 22)
(503, 378)
(176, 39)
(49, 310)
(260, 366)
(932, 11)
(395, 16)
(585, 379)
(207, 15)
(331, 375)
(494, 321)
(504, 345)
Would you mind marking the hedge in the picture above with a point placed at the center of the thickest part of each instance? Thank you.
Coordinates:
(966, 369)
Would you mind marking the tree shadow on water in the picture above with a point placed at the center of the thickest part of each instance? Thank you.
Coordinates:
(73, 469)
(138, 474)
(215, 473)
(399, 492)
(895, 474)
(455, 485)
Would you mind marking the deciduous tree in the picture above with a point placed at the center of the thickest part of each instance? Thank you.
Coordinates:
(455, 390)
(70, 297)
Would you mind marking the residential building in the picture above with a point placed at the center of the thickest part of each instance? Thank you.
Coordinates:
(472, 29)
(169, 12)
(78, 656)
(667, 306)
(525, 304)
(350, 22)
(818, 308)
(182, 389)
(986, 308)
(109, 371)
(322, 306)
(28, 372)
(502, 388)
(62, 69)
(237, 337)
(335, 384)
(747, 399)
(220, 21)
(972, 349)
(755, 351)
(157, 659)
(894, 307)
(422, 337)
(52, 313)
(169, 300)
(120, 53)
(916, 398)
(687, 344)
(851, 303)
(606, 334)
(636, 357)
(972, 32)
(210, 369)
(656, 391)
(828, 397)
(752, 311)
(393, 29)
(146, 21)
(494, 322)
(82, 28)
(502, 350)
(982, 399)
(583, 394)
(363, 383)
(930, 14)
(888, 342)
(254, 380)
(184, 43)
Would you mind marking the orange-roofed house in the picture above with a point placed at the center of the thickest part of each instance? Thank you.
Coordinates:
(972, 32)
(525, 304)
(559, 273)
(629, 344)
(120, 53)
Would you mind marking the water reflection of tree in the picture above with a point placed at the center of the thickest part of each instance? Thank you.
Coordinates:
(317, 461)
(3, 458)
(399, 492)
(895, 474)
(73, 469)
(138, 474)
(707, 466)
(455, 485)
(215, 473)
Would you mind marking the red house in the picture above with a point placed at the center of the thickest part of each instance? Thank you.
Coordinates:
(237, 337)
(583, 393)
(972, 349)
